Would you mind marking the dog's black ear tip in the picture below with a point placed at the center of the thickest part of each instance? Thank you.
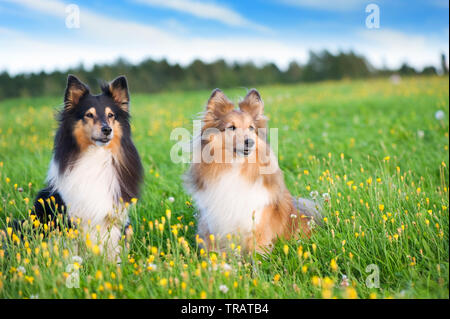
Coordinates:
(216, 91)
(121, 78)
(120, 82)
(72, 78)
(74, 82)
(254, 92)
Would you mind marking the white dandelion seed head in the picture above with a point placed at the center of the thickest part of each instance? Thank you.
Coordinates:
(227, 267)
(420, 134)
(311, 223)
(326, 196)
(223, 288)
(439, 115)
(293, 216)
(395, 79)
(34, 297)
(152, 267)
(314, 194)
(77, 259)
(21, 269)
(171, 199)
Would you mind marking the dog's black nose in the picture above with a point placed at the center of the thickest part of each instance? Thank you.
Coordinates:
(106, 130)
(249, 142)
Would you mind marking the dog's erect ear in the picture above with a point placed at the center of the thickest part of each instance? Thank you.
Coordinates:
(219, 104)
(119, 92)
(75, 90)
(252, 104)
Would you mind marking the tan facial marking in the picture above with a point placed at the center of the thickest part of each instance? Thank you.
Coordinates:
(82, 135)
(114, 145)
(110, 117)
(90, 114)
(92, 124)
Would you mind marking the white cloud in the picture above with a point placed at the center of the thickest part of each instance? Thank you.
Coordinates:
(93, 24)
(175, 26)
(392, 47)
(102, 39)
(206, 10)
(48, 54)
(328, 5)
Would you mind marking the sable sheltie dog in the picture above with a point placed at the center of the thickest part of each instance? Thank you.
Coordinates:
(95, 169)
(239, 190)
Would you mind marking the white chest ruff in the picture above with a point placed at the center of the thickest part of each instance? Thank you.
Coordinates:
(231, 204)
(91, 189)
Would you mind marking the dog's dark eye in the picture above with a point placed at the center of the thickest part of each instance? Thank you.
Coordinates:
(90, 115)
(232, 127)
(251, 128)
(110, 115)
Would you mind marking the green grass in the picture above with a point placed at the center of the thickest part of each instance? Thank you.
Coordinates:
(359, 141)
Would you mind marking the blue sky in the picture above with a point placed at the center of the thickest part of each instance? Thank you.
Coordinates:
(34, 36)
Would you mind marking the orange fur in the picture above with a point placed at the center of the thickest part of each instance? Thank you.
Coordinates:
(279, 218)
(114, 145)
(82, 136)
(119, 93)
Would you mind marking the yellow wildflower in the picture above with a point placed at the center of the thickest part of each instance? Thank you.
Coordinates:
(333, 265)
(315, 280)
(351, 293)
(163, 282)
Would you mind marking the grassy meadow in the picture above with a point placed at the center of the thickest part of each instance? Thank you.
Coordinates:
(378, 149)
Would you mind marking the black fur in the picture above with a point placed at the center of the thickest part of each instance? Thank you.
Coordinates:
(66, 150)
(130, 173)
(46, 211)
(51, 207)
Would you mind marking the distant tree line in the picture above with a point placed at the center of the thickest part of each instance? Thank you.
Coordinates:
(152, 76)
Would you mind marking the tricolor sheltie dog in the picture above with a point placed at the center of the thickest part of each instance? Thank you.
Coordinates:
(237, 184)
(95, 169)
